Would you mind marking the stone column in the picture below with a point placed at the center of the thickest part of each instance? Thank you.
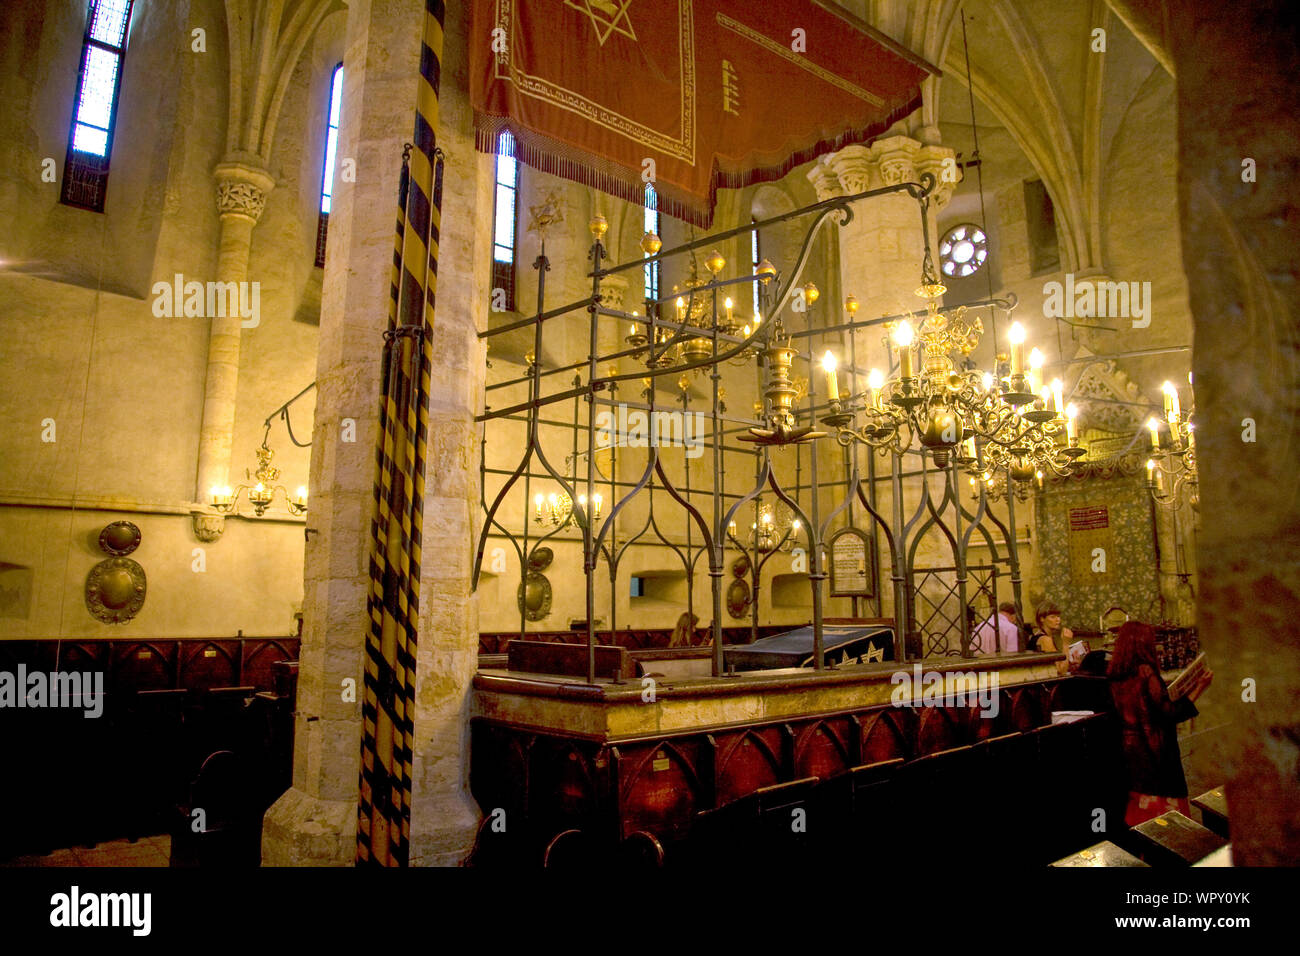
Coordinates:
(314, 823)
(881, 254)
(242, 189)
(1240, 243)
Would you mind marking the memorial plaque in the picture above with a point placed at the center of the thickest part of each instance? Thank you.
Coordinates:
(852, 572)
(1090, 530)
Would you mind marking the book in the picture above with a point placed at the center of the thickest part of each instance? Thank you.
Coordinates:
(1077, 652)
(1182, 685)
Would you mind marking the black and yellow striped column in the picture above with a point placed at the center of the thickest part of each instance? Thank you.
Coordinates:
(393, 603)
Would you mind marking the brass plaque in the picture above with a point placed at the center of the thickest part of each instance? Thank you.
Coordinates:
(852, 571)
(115, 590)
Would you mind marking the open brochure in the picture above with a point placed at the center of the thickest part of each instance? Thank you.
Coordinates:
(1184, 682)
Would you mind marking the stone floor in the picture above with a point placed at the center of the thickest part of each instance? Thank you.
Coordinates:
(147, 851)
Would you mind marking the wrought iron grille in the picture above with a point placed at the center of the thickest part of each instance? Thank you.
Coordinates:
(673, 339)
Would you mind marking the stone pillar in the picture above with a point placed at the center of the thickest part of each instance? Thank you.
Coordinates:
(314, 823)
(881, 250)
(242, 189)
(881, 254)
(1240, 244)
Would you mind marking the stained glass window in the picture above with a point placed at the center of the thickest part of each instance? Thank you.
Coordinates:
(505, 219)
(651, 224)
(963, 250)
(331, 147)
(85, 171)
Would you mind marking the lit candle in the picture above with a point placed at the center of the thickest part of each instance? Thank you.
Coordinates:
(1058, 387)
(596, 502)
(681, 307)
(1191, 437)
(538, 502)
(988, 381)
(757, 320)
(1017, 348)
(1154, 425)
(301, 497)
(1172, 410)
(1151, 471)
(728, 305)
(875, 381)
(832, 383)
(1035, 370)
(903, 338)
(1071, 427)
(747, 332)
(216, 494)
(968, 447)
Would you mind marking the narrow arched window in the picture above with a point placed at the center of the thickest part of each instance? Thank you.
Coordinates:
(756, 256)
(504, 223)
(327, 176)
(652, 223)
(94, 115)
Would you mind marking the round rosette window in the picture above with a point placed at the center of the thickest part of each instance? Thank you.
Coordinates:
(963, 250)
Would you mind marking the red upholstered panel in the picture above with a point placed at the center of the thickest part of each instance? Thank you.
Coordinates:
(748, 761)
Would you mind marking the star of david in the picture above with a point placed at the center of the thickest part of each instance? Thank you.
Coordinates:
(615, 18)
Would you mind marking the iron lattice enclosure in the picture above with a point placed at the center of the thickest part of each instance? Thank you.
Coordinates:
(757, 450)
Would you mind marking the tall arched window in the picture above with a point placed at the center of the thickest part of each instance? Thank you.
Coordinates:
(99, 81)
(652, 222)
(327, 176)
(756, 256)
(505, 221)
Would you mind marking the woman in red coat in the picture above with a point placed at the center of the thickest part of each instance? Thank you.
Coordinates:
(1149, 721)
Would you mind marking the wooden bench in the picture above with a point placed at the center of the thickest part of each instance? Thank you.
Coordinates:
(1104, 853)
(1172, 839)
(1213, 805)
(569, 660)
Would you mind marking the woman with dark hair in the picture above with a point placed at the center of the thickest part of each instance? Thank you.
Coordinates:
(1149, 722)
(1049, 635)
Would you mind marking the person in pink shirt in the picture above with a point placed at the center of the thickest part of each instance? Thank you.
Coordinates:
(986, 639)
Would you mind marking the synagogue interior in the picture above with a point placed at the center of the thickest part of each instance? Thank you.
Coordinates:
(598, 434)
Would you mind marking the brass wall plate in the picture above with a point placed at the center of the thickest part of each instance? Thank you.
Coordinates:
(540, 559)
(738, 598)
(119, 538)
(115, 590)
(534, 596)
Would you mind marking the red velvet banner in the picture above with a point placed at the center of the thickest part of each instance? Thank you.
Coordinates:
(695, 94)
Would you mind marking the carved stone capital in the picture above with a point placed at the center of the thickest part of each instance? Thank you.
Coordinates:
(896, 158)
(207, 528)
(242, 190)
(824, 181)
(941, 163)
(852, 166)
(612, 289)
(887, 162)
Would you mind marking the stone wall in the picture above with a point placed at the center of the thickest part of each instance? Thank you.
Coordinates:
(123, 385)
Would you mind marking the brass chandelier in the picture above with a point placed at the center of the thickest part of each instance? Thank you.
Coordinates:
(262, 493)
(769, 532)
(1019, 423)
(1171, 469)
